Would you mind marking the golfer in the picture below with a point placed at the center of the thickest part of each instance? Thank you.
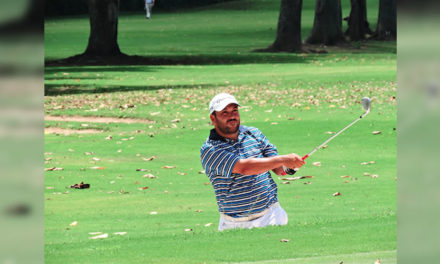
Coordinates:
(148, 8)
(237, 159)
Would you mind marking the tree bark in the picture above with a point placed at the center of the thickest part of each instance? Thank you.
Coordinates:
(358, 26)
(289, 27)
(327, 25)
(387, 20)
(103, 40)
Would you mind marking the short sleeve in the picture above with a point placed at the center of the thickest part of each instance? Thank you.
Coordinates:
(218, 161)
(269, 149)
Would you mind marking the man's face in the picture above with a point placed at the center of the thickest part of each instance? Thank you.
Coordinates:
(227, 120)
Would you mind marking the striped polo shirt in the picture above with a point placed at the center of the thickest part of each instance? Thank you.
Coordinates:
(239, 195)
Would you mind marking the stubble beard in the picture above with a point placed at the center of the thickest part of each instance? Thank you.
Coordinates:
(228, 130)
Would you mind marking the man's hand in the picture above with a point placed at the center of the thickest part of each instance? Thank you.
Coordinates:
(293, 161)
(279, 171)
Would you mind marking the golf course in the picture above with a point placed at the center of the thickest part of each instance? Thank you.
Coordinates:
(134, 132)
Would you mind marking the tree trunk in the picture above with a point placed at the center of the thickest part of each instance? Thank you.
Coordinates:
(103, 40)
(327, 26)
(386, 23)
(358, 26)
(289, 27)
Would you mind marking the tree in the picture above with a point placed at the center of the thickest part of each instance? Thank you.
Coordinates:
(289, 27)
(103, 40)
(358, 26)
(327, 25)
(387, 20)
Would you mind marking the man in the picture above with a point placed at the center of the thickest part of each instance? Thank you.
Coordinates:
(148, 7)
(237, 159)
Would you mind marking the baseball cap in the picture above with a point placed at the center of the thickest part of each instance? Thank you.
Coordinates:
(220, 101)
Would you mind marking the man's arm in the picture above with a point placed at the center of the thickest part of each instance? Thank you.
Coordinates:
(252, 166)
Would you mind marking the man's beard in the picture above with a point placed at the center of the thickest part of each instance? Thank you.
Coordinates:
(227, 130)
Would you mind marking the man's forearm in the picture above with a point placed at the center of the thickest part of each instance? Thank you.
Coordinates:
(253, 166)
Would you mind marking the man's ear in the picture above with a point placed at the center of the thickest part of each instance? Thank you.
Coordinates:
(212, 117)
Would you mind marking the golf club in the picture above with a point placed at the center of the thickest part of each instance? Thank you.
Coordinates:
(366, 103)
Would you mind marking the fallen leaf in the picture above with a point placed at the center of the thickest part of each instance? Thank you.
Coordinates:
(144, 188)
(337, 194)
(367, 174)
(206, 183)
(97, 168)
(153, 213)
(330, 132)
(308, 182)
(149, 176)
(374, 176)
(291, 178)
(154, 113)
(50, 188)
(177, 120)
(182, 173)
(317, 163)
(208, 224)
(188, 229)
(202, 172)
(54, 169)
(324, 147)
(377, 261)
(108, 137)
(95, 159)
(123, 192)
(74, 223)
(120, 233)
(168, 167)
(198, 211)
(296, 178)
(99, 236)
(88, 153)
(285, 240)
(345, 176)
(95, 233)
(376, 132)
(286, 182)
(149, 159)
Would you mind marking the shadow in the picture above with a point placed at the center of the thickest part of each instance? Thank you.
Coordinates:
(56, 89)
(216, 59)
(50, 71)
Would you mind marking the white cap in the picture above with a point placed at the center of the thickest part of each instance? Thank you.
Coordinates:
(220, 101)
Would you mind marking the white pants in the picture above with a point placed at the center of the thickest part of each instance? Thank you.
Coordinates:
(274, 216)
(148, 8)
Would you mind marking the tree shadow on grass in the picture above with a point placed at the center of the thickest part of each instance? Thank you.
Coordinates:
(56, 89)
(216, 59)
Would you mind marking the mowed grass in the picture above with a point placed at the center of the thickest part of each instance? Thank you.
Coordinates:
(297, 100)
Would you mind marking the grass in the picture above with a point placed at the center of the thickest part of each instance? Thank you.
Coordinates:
(295, 99)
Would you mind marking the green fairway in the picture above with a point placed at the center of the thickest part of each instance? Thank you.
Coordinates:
(296, 100)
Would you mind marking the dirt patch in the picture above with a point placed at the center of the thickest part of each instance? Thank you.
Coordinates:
(96, 119)
(66, 131)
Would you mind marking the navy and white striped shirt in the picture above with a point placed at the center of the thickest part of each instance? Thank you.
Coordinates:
(239, 195)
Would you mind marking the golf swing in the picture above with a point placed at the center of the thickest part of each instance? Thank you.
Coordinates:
(238, 159)
(366, 104)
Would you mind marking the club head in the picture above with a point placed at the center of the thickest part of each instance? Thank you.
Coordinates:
(366, 103)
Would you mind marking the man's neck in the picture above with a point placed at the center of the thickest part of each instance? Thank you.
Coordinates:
(232, 136)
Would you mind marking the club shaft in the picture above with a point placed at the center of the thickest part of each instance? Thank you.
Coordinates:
(332, 137)
(293, 171)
